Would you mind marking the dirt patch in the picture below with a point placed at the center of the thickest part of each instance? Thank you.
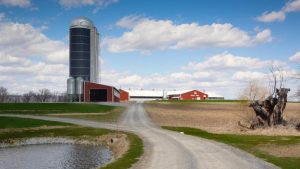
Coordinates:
(282, 150)
(217, 117)
(117, 142)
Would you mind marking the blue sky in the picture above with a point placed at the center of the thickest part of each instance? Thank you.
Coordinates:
(153, 44)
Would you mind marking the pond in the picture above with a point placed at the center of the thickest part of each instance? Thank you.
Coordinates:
(54, 156)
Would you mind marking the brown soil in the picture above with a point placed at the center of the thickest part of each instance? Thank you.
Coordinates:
(218, 117)
(282, 150)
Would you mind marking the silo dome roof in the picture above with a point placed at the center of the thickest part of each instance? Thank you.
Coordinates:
(82, 22)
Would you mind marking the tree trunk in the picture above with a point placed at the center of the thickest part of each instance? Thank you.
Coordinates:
(270, 112)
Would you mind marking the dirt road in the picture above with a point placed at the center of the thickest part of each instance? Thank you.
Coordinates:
(170, 150)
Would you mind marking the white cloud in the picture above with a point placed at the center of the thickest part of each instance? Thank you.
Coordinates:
(263, 36)
(18, 3)
(78, 3)
(148, 34)
(34, 69)
(290, 6)
(248, 75)
(6, 78)
(295, 57)
(229, 61)
(6, 59)
(23, 40)
(272, 16)
(130, 21)
(29, 60)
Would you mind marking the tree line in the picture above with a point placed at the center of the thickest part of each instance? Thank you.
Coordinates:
(41, 96)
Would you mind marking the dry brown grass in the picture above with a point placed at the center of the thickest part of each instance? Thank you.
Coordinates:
(217, 117)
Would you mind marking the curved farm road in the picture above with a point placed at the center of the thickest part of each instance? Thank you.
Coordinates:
(171, 150)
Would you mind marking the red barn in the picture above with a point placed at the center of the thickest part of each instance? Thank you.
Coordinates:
(187, 95)
(93, 92)
(124, 95)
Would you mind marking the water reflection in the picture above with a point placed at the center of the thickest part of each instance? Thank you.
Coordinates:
(54, 156)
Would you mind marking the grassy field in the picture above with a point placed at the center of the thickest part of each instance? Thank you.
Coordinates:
(12, 122)
(126, 161)
(52, 108)
(216, 117)
(111, 116)
(94, 112)
(253, 144)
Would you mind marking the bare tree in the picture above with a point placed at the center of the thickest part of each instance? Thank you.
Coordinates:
(43, 95)
(269, 111)
(63, 97)
(254, 91)
(3, 94)
(28, 97)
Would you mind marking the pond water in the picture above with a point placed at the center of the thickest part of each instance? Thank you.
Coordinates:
(54, 156)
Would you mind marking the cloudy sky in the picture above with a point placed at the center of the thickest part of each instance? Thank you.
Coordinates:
(216, 46)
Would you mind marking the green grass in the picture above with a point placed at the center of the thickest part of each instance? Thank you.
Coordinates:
(112, 116)
(52, 108)
(13, 122)
(249, 143)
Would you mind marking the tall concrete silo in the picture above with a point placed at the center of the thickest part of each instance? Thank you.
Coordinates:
(84, 51)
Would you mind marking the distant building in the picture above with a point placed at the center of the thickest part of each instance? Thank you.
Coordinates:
(146, 95)
(214, 96)
(124, 95)
(187, 95)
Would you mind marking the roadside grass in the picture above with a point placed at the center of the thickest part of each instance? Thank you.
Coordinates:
(111, 116)
(126, 161)
(52, 108)
(250, 143)
(13, 122)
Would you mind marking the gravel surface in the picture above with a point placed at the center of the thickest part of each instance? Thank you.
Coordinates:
(166, 149)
